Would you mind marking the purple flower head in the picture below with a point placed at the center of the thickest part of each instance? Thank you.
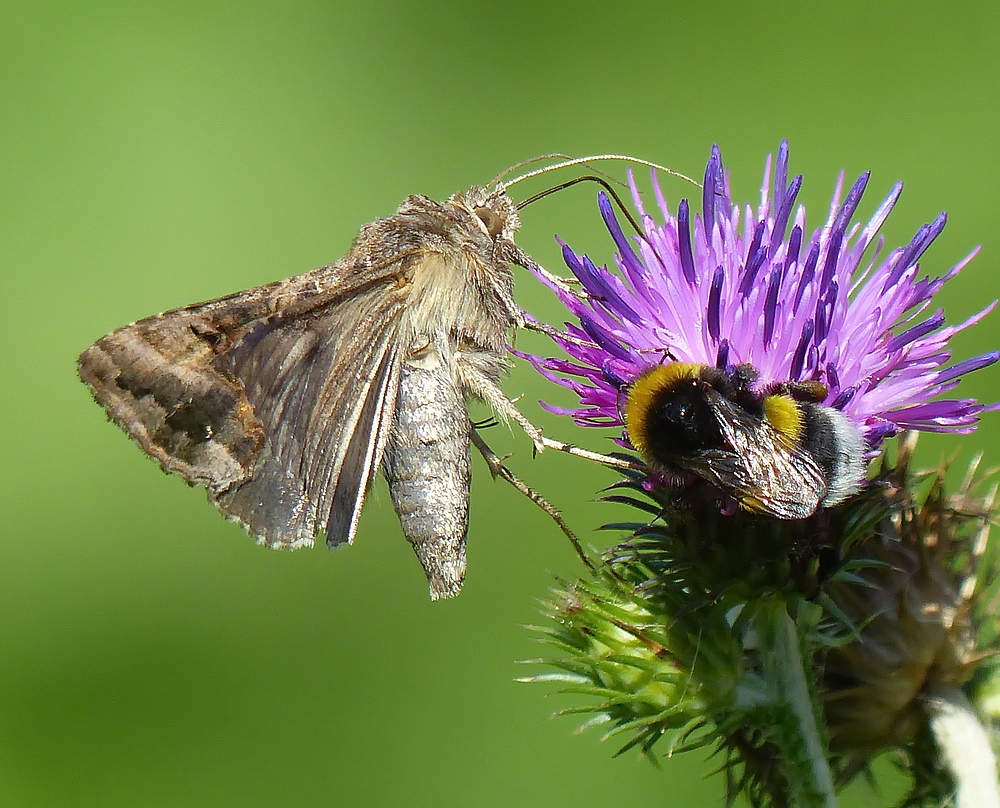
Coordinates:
(706, 289)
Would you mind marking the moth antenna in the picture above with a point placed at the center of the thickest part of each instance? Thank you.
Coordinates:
(591, 178)
(498, 469)
(528, 162)
(503, 187)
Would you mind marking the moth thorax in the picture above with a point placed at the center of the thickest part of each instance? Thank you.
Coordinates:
(452, 294)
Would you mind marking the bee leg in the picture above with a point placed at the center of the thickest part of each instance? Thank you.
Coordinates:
(498, 469)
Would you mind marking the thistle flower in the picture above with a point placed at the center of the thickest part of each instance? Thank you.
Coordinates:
(794, 307)
(799, 648)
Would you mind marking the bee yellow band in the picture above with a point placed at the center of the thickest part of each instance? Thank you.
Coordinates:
(642, 396)
(785, 415)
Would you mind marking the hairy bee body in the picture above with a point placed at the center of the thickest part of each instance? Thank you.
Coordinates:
(776, 451)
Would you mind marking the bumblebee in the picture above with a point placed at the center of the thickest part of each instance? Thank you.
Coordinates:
(776, 451)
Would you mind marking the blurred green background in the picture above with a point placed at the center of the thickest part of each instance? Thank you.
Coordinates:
(155, 154)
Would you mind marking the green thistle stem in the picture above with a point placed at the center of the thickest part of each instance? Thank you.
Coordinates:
(783, 665)
(965, 749)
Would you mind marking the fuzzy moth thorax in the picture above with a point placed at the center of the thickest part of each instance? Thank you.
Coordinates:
(458, 296)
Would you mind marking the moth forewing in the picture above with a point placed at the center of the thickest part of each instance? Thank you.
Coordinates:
(284, 400)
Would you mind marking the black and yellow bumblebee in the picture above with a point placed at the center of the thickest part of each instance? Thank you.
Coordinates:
(776, 450)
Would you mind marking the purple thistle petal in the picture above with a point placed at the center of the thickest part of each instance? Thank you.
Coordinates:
(603, 339)
(844, 398)
(624, 248)
(601, 284)
(575, 264)
(771, 304)
(755, 259)
(784, 211)
(684, 235)
(799, 357)
(794, 245)
(880, 431)
(832, 377)
(714, 190)
(967, 366)
(847, 210)
(917, 246)
(722, 357)
(916, 332)
(556, 410)
(714, 302)
(781, 190)
(879, 217)
(832, 256)
(821, 321)
(612, 377)
(807, 274)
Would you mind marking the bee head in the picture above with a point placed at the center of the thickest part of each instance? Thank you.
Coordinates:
(667, 410)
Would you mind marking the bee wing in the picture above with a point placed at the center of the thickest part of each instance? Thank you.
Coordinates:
(762, 472)
(277, 399)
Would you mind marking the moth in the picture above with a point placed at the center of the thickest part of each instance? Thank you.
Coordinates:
(284, 401)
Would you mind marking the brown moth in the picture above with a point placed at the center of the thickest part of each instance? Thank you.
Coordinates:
(283, 401)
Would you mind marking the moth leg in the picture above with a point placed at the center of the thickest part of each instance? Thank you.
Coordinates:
(595, 457)
(533, 325)
(561, 283)
(521, 258)
(498, 469)
(479, 384)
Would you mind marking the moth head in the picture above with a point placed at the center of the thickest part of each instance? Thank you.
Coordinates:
(495, 212)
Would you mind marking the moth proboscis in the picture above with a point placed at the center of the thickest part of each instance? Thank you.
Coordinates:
(283, 401)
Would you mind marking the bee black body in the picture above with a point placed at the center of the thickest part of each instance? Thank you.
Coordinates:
(776, 451)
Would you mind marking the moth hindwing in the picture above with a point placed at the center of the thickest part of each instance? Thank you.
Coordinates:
(283, 401)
